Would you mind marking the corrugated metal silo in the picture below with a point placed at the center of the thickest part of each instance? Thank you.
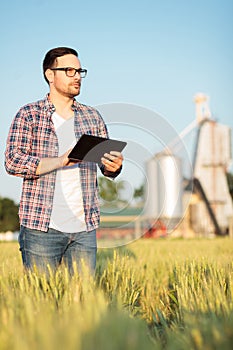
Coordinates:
(170, 186)
(164, 190)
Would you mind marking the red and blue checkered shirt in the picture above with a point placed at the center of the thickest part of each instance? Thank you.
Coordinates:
(32, 137)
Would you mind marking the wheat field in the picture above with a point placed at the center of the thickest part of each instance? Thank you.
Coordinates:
(150, 294)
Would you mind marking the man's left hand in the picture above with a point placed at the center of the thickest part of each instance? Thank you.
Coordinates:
(112, 161)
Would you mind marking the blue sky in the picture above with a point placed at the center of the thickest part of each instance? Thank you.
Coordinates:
(155, 54)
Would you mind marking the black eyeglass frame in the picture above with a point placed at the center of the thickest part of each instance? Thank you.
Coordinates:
(81, 71)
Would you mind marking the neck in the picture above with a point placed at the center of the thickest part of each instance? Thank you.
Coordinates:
(63, 105)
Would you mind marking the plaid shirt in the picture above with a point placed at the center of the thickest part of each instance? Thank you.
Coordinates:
(32, 137)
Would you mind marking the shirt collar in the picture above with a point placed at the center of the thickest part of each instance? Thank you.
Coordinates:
(49, 105)
(75, 105)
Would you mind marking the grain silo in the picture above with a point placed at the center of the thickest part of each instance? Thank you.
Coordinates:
(164, 189)
(206, 196)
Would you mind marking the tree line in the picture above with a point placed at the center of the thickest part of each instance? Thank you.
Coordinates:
(8, 215)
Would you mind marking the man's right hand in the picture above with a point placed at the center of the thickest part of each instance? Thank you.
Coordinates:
(47, 165)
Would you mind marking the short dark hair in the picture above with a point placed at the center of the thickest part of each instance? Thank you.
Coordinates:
(52, 55)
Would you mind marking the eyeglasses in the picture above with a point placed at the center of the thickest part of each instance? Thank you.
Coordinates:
(70, 72)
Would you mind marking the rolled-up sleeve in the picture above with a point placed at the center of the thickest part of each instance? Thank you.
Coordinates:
(19, 160)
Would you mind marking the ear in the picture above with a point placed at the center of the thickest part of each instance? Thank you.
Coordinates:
(49, 75)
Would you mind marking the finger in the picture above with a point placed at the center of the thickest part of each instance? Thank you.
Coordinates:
(117, 154)
(110, 165)
(68, 152)
(110, 157)
(114, 156)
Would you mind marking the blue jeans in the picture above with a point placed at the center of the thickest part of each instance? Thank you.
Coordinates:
(52, 247)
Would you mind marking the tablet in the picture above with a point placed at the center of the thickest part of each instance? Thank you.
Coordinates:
(92, 148)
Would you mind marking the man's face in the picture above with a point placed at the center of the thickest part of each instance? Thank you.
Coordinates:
(61, 83)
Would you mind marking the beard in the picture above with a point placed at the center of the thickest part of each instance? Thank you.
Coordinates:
(74, 89)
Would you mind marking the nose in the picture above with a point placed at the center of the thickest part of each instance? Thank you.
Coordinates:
(77, 76)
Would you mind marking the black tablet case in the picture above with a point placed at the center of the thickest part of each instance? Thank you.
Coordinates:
(92, 148)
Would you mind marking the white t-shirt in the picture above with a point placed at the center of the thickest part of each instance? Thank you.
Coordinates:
(68, 211)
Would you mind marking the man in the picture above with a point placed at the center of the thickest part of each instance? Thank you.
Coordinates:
(59, 210)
